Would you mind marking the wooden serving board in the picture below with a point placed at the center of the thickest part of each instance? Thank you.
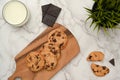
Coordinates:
(22, 71)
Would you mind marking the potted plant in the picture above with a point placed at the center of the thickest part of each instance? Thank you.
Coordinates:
(105, 14)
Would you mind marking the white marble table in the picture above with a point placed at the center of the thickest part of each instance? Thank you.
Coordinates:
(73, 16)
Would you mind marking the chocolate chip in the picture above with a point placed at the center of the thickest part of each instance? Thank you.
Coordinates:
(93, 70)
(30, 59)
(44, 61)
(97, 65)
(53, 34)
(54, 52)
(47, 66)
(90, 57)
(37, 67)
(50, 44)
(52, 64)
(53, 49)
(59, 34)
(37, 57)
(43, 46)
(32, 66)
(104, 67)
(44, 55)
(61, 44)
(112, 61)
(95, 55)
(97, 71)
(63, 38)
(108, 70)
(54, 40)
(49, 47)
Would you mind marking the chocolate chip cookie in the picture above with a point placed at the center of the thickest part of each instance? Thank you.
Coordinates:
(58, 37)
(99, 70)
(35, 61)
(50, 60)
(95, 56)
(51, 47)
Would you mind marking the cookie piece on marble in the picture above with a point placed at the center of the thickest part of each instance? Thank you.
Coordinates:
(95, 56)
(99, 70)
(58, 37)
(35, 61)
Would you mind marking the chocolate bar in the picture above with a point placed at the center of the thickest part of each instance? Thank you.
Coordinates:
(50, 13)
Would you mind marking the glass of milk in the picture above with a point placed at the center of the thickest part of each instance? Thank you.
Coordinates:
(15, 13)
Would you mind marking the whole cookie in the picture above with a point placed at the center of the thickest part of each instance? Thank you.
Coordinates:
(58, 37)
(35, 61)
(95, 56)
(51, 47)
(50, 60)
(99, 70)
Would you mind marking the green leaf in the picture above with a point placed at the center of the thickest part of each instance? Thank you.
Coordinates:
(92, 23)
(105, 30)
(87, 18)
(95, 27)
(109, 24)
(88, 10)
(98, 29)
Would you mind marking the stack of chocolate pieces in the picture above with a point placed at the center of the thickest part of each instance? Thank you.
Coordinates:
(50, 13)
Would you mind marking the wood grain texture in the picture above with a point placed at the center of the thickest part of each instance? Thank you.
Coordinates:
(71, 50)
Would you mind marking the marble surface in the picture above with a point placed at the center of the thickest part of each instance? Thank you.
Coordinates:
(73, 16)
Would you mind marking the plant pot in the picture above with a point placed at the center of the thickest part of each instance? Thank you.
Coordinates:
(93, 10)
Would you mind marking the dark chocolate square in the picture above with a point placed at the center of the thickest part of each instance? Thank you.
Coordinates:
(49, 20)
(44, 9)
(112, 61)
(53, 10)
(50, 13)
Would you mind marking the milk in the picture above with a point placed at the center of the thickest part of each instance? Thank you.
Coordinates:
(15, 13)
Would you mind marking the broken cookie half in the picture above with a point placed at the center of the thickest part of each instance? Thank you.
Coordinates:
(95, 56)
(99, 70)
